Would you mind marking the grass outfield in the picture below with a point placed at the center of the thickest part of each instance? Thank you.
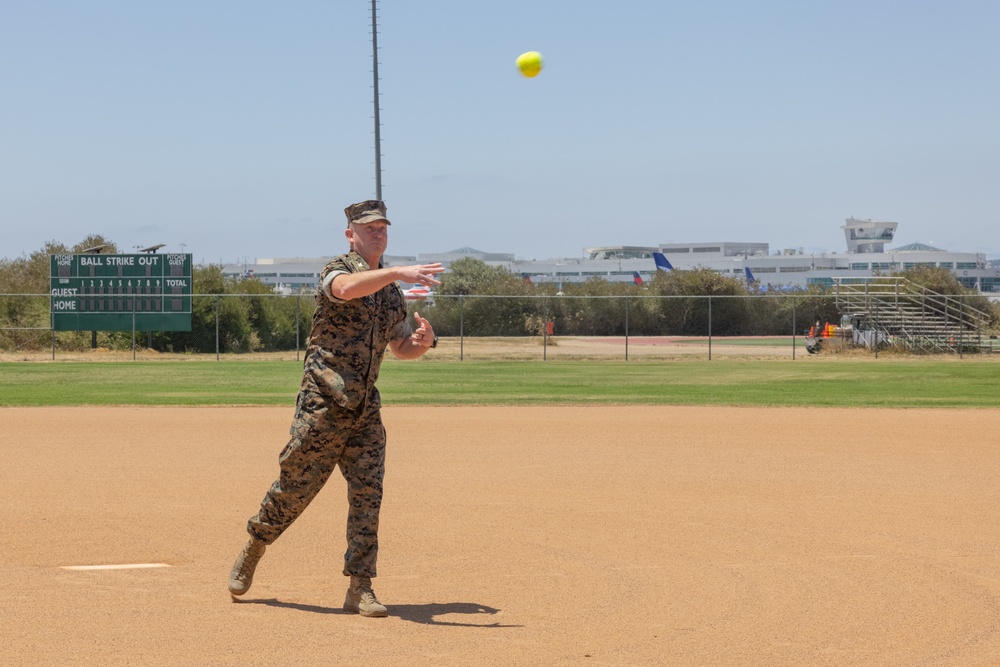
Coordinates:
(844, 383)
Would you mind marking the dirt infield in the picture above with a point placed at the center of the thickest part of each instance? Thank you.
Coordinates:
(515, 536)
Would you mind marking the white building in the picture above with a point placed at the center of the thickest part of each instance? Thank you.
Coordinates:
(865, 237)
(866, 256)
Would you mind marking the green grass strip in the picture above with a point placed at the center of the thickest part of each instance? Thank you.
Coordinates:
(835, 383)
(149, 383)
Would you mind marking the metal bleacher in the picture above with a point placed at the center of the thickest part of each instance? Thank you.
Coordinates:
(911, 315)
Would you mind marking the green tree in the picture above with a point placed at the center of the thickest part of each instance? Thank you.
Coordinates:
(597, 307)
(464, 290)
(250, 316)
(272, 316)
(684, 313)
(30, 275)
(208, 302)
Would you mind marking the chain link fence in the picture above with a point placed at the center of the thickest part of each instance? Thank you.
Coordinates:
(480, 327)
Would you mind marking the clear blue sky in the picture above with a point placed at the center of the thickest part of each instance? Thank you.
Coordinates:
(244, 128)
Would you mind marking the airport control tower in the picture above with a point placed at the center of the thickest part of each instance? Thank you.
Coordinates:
(865, 236)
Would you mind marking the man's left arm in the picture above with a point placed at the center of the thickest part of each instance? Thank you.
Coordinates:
(417, 343)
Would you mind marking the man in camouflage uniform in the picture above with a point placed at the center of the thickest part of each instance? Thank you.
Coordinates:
(360, 311)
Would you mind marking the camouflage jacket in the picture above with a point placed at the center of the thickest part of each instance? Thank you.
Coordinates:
(348, 339)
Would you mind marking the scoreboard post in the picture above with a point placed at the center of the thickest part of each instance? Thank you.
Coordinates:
(138, 292)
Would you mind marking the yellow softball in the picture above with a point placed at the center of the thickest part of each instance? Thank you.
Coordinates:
(530, 63)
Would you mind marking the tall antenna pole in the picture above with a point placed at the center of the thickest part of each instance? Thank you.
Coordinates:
(378, 138)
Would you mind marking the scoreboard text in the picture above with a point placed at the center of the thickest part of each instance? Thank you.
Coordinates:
(146, 292)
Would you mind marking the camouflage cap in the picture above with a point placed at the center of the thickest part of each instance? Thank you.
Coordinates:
(365, 212)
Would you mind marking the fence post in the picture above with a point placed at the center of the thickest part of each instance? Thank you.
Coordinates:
(217, 298)
(626, 328)
(461, 327)
(133, 331)
(709, 327)
(878, 331)
(545, 328)
(961, 326)
(794, 332)
(298, 306)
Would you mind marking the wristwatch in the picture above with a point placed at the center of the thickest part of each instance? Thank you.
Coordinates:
(435, 343)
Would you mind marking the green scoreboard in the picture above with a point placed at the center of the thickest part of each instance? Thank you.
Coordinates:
(143, 292)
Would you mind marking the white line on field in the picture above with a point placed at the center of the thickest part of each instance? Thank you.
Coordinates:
(133, 566)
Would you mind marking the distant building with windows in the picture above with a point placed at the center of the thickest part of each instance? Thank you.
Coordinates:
(866, 255)
(865, 237)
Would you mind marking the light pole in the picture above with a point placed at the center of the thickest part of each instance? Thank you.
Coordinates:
(378, 143)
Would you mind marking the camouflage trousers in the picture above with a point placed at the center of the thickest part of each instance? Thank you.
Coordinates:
(325, 435)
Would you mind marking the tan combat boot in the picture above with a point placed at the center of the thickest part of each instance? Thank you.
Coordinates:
(361, 598)
(241, 576)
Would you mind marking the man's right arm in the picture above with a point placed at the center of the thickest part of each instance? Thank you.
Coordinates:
(347, 286)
